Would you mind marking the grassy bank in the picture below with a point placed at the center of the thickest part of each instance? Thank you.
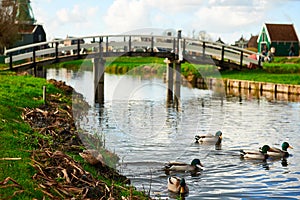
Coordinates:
(282, 70)
(17, 93)
(19, 141)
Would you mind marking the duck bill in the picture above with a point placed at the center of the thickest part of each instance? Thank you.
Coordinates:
(200, 165)
(182, 190)
(291, 147)
(220, 137)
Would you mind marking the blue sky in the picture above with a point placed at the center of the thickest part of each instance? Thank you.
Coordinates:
(228, 19)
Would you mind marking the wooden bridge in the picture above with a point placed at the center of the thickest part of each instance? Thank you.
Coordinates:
(175, 50)
(182, 48)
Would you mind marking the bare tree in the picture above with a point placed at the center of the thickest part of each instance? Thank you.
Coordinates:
(8, 26)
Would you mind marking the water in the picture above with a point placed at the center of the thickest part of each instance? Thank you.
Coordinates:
(146, 133)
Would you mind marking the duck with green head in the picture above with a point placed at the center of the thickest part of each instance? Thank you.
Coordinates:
(256, 155)
(195, 165)
(177, 185)
(280, 153)
(210, 139)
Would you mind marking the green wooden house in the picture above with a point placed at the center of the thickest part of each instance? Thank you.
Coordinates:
(280, 36)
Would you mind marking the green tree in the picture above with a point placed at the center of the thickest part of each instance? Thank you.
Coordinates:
(8, 26)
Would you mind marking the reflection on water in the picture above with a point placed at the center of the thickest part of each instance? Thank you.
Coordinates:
(146, 133)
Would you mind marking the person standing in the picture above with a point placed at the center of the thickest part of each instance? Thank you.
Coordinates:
(292, 50)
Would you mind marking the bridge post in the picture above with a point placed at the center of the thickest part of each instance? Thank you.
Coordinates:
(169, 80)
(56, 51)
(241, 60)
(10, 61)
(177, 83)
(183, 47)
(259, 61)
(177, 72)
(100, 47)
(222, 56)
(78, 48)
(98, 69)
(129, 44)
(174, 45)
(106, 44)
(152, 44)
(203, 50)
(125, 46)
(34, 61)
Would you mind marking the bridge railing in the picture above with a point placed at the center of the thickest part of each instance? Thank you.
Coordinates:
(127, 43)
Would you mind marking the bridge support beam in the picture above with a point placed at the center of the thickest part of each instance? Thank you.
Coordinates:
(177, 84)
(169, 80)
(98, 69)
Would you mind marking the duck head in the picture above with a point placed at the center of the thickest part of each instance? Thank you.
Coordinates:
(219, 134)
(196, 162)
(265, 149)
(285, 146)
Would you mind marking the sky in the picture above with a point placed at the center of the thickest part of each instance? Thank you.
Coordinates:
(227, 19)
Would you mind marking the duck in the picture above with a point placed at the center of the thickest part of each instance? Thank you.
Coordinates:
(261, 154)
(195, 165)
(177, 185)
(213, 139)
(280, 153)
(92, 156)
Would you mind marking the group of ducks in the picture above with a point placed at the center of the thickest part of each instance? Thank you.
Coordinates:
(178, 185)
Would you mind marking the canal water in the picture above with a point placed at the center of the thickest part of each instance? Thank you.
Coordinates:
(145, 132)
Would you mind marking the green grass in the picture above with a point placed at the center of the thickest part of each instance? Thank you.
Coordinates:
(282, 70)
(18, 139)
(3, 66)
(17, 92)
(262, 76)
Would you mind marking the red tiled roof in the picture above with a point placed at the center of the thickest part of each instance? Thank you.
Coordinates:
(253, 41)
(282, 32)
(26, 29)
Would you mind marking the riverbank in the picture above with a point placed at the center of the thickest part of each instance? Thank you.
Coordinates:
(281, 71)
(40, 146)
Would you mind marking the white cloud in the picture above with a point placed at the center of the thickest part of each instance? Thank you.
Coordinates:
(125, 15)
(74, 15)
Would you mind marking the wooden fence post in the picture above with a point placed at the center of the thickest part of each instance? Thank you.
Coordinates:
(106, 44)
(222, 56)
(56, 51)
(241, 60)
(78, 48)
(152, 44)
(129, 44)
(203, 50)
(10, 61)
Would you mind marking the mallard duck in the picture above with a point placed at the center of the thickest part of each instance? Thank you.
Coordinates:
(213, 139)
(280, 153)
(256, 155)
(92, 156)
(177, 185)
(195, 165)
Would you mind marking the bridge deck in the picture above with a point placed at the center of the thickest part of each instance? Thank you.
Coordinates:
(129, 45)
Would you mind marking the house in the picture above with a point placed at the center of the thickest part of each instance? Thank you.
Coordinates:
(279, 36)
(29, 34)
(252, 43)
(70, 40)
(241, 43)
